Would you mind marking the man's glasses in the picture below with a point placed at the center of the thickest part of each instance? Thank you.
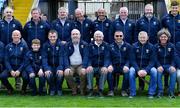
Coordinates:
(119, 35)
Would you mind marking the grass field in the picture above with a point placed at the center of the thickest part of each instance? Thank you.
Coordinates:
(67, 100)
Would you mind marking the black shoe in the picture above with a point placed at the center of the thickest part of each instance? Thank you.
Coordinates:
(111, 93)
(90, 94)
(159, 95)
(150, 96)
(131, 96)
(172, 96)
(59, 93)
(42, 93)
(23, 92)
(52, 93)
(10, 92)
(100, 94)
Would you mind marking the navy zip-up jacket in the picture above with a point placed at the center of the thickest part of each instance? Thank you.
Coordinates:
(150, 26)
(33, 31)
(86, 29)
(165, 54)
(120, 56)
(178, 54)
(53, 56)
(172, 23)
(69, 49)
(128, 29)
(104, 26)
(2, 54)
(99, 56)
(33, 61)
(64, 32)
(143, 56)
(6, 30)
(15, 56)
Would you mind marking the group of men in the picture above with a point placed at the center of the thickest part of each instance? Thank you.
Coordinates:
(80, 49)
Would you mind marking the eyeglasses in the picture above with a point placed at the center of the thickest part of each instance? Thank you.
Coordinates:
(119, 35)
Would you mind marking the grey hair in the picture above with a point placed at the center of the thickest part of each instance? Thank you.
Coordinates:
(99, 32)
(164, 31)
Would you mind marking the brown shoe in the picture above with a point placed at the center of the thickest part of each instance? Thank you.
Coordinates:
(23, 92)
(178, 94)
(10, 92)
(74, 93)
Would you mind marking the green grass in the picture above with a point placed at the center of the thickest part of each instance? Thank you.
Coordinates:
(141, 100)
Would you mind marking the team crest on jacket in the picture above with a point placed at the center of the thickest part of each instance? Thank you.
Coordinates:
(82, 46)
(97, 25)
(87, 25)
(14, 25)
(67, 24)
(48, 49)
(29, 26)
(107, 24)
(21, 48)
(137, 50)
(169, 49)
(69, 48)
(92, 47)
(159, 50)
(41, 26)
(117, 24)
(102, 47)
(178, 21)
(154, 23)
(129, 24)
(40, 57)
(147, 50)
(10, 49)
(57, 48)
(124, 49)
(2, 25)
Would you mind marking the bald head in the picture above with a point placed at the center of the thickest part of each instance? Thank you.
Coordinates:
(8, 13)
(16, 36)
(79, 13)
(101, 13)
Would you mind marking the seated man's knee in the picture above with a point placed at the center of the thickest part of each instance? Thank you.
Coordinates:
(132, 72)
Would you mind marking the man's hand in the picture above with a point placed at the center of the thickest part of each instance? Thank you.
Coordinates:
(160, 69)
(40, 73)
(17, 73)
(31, 75)
(13, 73)
(59, 72)
(172, 69)
(142, 73)
(125, 69)
(63, 42)
(47, 73)
(110, 68)
(83, 71)
(104, 70)
(67, 71)
(89, 69)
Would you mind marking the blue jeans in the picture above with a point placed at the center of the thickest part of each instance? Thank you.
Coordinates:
(152, 85)
(101, 80)
(172, 79)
